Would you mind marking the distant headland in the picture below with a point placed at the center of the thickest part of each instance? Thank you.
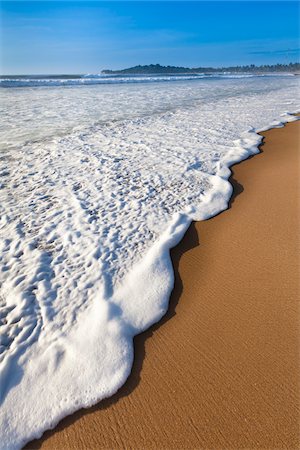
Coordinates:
(158, 69)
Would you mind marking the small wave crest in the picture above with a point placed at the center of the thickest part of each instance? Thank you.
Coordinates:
(86, 80)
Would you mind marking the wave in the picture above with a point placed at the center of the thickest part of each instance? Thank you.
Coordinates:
(86, 80)
(87, 222)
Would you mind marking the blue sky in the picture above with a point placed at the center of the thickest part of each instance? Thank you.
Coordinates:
(83, 37)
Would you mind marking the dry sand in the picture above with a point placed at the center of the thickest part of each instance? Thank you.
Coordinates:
(221, 370)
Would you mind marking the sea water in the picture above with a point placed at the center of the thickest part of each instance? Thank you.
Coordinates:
(98, 180)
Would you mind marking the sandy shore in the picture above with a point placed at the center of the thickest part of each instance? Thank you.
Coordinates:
(221, 370)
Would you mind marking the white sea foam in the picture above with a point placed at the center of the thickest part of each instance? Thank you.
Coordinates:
(88, 215)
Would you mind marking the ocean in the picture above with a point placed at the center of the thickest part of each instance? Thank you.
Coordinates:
(99, 178)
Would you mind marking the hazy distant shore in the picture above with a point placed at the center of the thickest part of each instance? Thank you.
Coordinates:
(157, 69)
(252, 68)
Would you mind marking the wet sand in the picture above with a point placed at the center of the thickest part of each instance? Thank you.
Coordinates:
(221, 370)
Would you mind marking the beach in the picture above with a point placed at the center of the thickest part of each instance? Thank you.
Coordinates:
(221, 369)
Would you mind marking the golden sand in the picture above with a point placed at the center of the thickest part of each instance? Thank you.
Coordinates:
(221, 370)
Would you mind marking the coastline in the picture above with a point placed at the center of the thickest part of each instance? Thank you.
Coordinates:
(234, 337)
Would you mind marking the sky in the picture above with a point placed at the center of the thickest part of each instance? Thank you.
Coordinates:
(85, 37)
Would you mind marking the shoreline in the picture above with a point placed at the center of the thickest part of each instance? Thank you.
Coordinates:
(221, 388)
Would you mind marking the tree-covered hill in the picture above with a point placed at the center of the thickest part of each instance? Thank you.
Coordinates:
(158, 69)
